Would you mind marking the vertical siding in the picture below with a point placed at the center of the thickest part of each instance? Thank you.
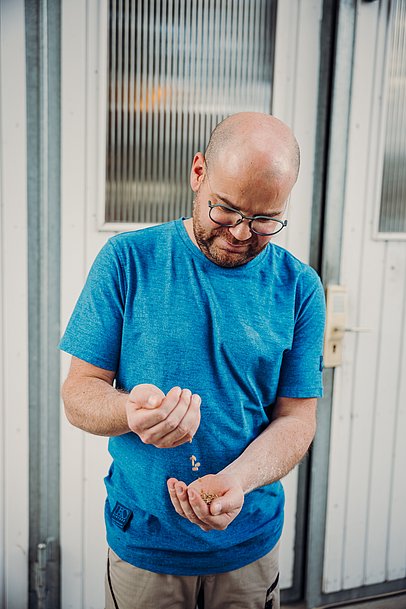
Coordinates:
(294, 101)
(84, 458)
(296, 73)
(13, 311)
(365, 539)
(396, 542)
(360, 256)
(385, 409)
(73, 188)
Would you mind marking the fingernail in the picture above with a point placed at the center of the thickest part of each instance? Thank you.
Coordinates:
(179, 490)
(192, 494)
(152, 400)
(216, 509)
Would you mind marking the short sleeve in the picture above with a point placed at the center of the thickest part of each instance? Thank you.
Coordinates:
(95, 327)
(302, 365)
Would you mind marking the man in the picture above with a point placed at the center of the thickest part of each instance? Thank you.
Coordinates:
(197, 347)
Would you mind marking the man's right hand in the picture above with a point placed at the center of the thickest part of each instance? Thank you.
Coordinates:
(165, 421)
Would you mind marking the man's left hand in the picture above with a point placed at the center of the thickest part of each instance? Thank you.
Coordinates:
(188, 501)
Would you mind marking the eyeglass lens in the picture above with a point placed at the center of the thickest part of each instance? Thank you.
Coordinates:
(227, 217)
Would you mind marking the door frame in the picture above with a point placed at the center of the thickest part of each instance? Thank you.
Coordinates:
(42, 57)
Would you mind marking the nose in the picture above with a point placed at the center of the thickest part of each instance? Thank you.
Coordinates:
(241, 231)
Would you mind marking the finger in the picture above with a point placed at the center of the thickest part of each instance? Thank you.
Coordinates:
(172, 423)
(227, 503)
(174, 497)
(149, 419)
(183, 497)
(200, 508)
(187, 427)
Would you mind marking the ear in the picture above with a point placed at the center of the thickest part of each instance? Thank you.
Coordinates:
(197, 171)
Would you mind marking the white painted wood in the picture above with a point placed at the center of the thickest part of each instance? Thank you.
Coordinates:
(296, 74)
(96, 113)
(84, 458)
(287, 546)
(385, 412)
(341, 418)
(356, 271)
(295, 87)
(366, 497)
(283, 108)
(96, 464)
(13, 310)
(96, 458)
(346, 512)
(304, 124)
(73, 267)
(396, 551)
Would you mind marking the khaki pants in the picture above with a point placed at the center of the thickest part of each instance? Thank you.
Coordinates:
(252, 587)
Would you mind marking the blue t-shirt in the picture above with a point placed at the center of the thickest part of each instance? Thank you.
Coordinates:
(156, 310)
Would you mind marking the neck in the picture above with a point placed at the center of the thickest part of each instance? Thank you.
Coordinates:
(189, 229)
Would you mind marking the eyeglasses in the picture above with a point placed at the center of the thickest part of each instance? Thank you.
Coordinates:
(260, 225)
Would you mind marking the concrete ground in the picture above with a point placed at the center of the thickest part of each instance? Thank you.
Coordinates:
(386, 602)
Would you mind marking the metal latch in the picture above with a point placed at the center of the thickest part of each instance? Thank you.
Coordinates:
(46, 573)
(41, 575)
(336, 325)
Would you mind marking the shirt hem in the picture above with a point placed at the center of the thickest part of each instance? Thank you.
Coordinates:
(309, 393)
(168, 562)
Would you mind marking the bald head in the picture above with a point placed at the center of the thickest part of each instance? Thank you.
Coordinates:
(256, 140)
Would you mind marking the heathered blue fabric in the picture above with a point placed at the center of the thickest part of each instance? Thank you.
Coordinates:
(156, 310)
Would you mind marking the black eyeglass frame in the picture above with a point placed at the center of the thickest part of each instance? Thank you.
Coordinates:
(251, 219)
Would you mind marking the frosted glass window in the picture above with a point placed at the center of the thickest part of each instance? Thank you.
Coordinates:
(393, 203)
(175, 69)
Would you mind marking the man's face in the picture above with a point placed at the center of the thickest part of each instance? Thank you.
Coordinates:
(234, 246)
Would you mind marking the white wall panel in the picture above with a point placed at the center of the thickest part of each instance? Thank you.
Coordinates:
(365, 498)
(73, 264)
(384, 411)
(347, 485)
(294, 101)
(396, 557)
(84, 458)
(13, 311)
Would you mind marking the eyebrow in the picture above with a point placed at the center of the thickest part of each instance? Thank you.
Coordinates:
(233, 206)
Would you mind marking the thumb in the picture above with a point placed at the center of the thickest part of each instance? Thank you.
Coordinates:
(232, 500)
(146, 396)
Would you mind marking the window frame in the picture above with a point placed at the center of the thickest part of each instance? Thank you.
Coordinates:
(382, 112)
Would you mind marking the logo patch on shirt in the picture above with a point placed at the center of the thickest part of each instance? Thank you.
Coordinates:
(321, 365)
(121, 515)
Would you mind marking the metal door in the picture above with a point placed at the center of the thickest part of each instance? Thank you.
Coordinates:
(357, 537)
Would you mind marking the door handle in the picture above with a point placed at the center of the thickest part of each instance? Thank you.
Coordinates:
(336, 325)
